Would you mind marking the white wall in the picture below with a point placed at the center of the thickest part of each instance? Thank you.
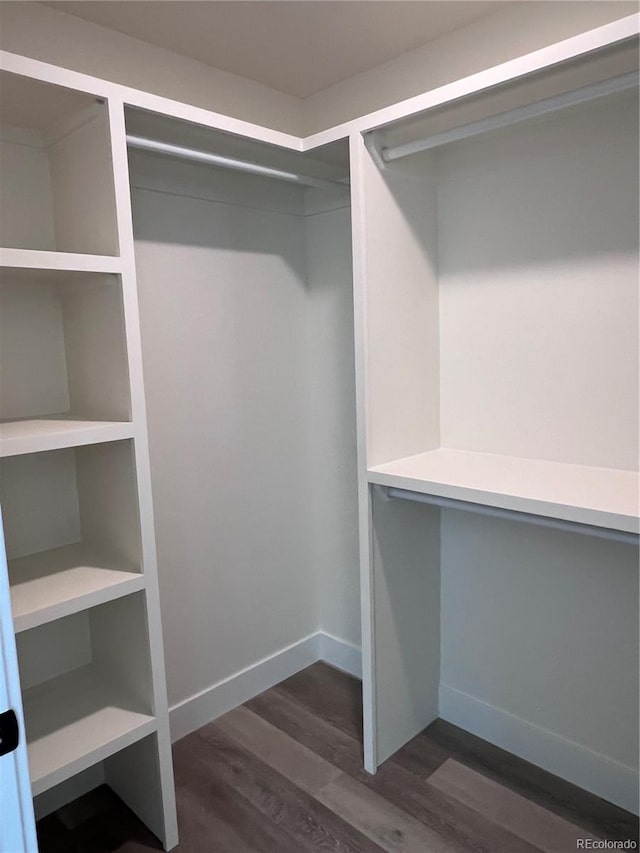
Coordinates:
(222, 311)
(26, 203)
(245, 348)
(331, 400)
(555, 644)
(49, 35)
(538, 268)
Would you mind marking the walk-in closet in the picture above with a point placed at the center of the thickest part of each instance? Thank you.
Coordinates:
(319, 430)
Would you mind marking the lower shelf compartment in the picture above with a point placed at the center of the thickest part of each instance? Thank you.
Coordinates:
(76, 720)
(61, 581)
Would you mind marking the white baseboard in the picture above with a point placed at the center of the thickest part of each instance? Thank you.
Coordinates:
(339, 653)
(590, 770)
(200, 709)
(566, 758)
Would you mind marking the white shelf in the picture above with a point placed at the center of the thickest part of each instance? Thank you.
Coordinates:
(56, 583)
(34, 436)
(68, 261)
(76, 720)
(603, 497)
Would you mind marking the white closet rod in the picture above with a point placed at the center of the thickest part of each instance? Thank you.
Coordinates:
(229, 162)
(512, 515)
(540, 108)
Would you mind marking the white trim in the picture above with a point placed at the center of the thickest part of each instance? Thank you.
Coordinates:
(565, 758)
(208, 704)
(212, 702)
(339, 653)
(546, 57)
(358, 151)
(572, 761)
(481, 81)
(34, 68)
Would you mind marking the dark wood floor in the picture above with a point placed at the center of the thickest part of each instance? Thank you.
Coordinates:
(283, 774)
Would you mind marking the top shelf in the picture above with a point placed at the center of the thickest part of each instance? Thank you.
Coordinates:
(56, 170)
(64, 261)
(567, 84)
(602, 497)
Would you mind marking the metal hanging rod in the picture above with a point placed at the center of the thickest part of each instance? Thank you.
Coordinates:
(229, 162)
(539, 108)
(513, 515)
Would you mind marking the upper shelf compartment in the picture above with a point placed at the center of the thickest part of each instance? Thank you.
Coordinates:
(56, 175)
(534, 96)
(172, 155)
(501, 276)
(63, 355)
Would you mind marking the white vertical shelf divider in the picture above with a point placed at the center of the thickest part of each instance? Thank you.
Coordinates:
(369, 724)
(159, 811)
(399, 546)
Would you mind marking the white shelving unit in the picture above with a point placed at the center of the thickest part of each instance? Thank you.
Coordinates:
(496, 260)
(78, 717)
(73, 454)
(496, 352)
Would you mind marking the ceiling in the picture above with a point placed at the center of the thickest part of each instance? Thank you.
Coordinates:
(295, 46)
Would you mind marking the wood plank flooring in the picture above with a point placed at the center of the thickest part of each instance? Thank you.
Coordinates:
(283, 774)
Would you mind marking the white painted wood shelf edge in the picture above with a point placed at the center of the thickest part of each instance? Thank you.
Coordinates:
(40, 434)
(602, 497)
(63, 261)
(76, 720)
(62, 581)
(576, 46)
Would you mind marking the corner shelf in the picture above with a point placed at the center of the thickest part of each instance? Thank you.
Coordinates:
(602, 497)
(35, 259)
(62, 581)
(76, 720)
(40, 434)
